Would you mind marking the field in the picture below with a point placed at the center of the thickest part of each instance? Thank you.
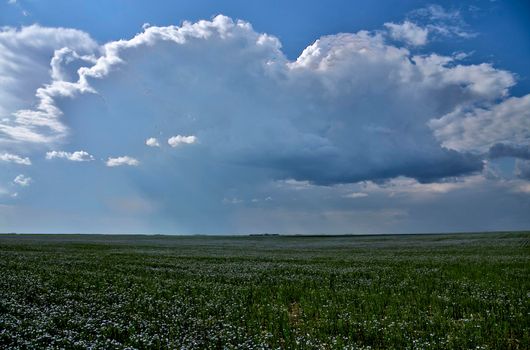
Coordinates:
(453, 291)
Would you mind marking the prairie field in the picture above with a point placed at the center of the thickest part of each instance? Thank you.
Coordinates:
(446, 291)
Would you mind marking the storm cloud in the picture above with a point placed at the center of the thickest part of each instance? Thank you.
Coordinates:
(352, 108)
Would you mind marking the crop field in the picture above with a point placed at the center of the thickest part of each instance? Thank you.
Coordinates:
(453, 291)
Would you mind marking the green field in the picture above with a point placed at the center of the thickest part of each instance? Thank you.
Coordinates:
(453, 291)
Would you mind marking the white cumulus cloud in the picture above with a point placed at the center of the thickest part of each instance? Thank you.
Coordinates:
(152, 142)
(351, 107)
(77, 156)
(178, 140)
(408, 32)
(478, 129)
(13, 158)
(28, 78)
(22, 180)
(120, 161)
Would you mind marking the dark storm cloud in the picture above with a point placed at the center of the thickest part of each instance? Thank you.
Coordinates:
(501, 150)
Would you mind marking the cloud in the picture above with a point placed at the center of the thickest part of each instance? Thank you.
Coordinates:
(78, 156)
(26, 80)
(232, 201)
(523, 188)
(22, 180)
(355, 195)
(478, 129)
(522, 169)
(355, 113)
(181, 140)
(408, 32)
(152, 142)
(436, 12)
(409, 186)
(351, 107)
(294, 184)
(120, 161)
(13, 158)
(442, 23)
(257, 200)
(500, 150)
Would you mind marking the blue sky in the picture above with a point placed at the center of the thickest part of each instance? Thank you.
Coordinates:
(244, 117)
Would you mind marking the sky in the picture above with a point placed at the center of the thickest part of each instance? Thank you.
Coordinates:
(238, 117)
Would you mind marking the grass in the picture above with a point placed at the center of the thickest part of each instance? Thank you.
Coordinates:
(458, 291)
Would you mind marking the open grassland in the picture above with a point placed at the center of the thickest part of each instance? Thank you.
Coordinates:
(368, 292)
